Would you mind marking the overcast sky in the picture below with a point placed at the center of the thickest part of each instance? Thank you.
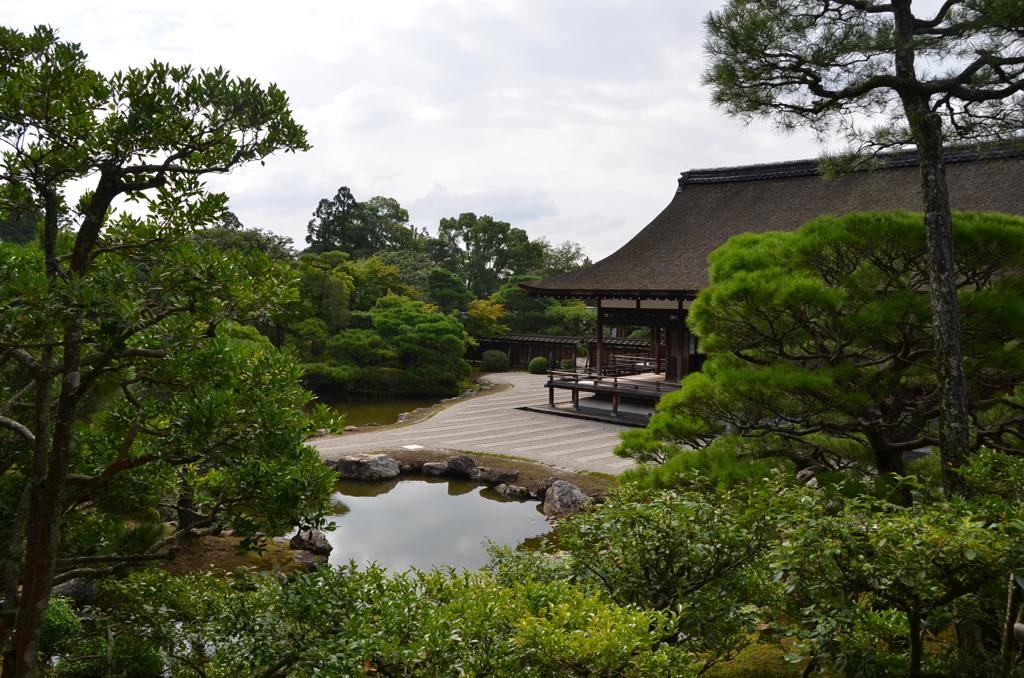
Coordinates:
(570, 119)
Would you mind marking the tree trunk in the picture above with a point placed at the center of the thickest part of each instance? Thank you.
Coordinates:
(49, 476)
(916, 643)
(926, 127)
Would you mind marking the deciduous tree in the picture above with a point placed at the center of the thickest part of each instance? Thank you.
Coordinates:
(118, 314)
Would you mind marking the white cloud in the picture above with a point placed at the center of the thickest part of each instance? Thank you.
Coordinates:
(571, 119)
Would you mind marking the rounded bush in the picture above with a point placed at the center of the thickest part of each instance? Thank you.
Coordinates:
(581, 351)
(60, 626)
(494, 361)
(567, 364)
(538, 365)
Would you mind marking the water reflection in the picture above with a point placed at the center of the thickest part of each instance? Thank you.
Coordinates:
(427, 522)
(360, 411)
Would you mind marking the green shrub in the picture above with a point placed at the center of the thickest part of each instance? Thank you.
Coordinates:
(581, 351)
(60, 626)
(538, 365)
(133, 657)
(567, 364)
(495, 361)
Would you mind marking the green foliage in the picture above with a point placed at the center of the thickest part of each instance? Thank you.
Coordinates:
(411, 350)
(836, 68)
(116, 392)
(819, 345)
(61, 626)
(538, 365)
(572, 320)
(490, 251)
(567, 364)
(359, 229)
(495, 361)
(701, 555)
(19, 226)
(277, 247)
(565, 257)
(413, 266)
(131, 657)
(340, 621)
(873, 586)
(447, 291)
(523, 313)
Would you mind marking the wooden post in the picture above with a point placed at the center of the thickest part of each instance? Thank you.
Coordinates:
(684, 351)
(600, 342)
(576, 400)
(656, 338)
(551, 391)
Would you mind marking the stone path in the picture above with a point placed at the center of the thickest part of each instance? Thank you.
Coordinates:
(491, 424)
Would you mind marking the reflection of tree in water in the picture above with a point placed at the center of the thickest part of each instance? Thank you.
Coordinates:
(339, 507)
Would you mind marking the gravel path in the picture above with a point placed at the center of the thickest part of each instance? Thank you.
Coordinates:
(490, 424)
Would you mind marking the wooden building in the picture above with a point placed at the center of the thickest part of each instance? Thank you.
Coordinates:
(650, 281)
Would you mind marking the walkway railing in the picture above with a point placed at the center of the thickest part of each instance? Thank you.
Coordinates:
(614, 385)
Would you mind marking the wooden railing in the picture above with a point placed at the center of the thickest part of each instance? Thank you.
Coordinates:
(613, 385)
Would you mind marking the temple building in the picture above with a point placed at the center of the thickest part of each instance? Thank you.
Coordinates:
(651, 280)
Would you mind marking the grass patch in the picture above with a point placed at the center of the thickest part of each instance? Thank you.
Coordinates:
(757, 660)
(219, 553)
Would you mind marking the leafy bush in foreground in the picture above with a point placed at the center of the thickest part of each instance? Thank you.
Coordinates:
(342, 621)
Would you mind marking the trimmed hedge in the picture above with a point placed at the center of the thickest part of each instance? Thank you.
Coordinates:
(494, 361)
(538, 365)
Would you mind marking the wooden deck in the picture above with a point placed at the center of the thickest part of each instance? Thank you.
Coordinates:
(645, 386)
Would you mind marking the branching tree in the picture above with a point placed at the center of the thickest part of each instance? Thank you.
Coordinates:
(360, 228)
(882, 77)
(494, 250)
(115, 317)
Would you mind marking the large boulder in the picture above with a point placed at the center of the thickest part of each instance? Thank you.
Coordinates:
(367, 467)
(461, 466)
(435, 468)
(81, 590)
(564, 499)
(313, 541)
(495, 476)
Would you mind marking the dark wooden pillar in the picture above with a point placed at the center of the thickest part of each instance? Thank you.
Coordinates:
(684, 350)
(600, 343)
(656, 340)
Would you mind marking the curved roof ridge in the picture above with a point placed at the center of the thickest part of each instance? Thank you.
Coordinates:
(811, 167)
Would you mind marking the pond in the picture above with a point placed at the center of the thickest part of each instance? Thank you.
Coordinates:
(362, 411)
(427, 522)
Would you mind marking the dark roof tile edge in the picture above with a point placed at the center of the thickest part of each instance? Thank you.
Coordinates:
(807, 168)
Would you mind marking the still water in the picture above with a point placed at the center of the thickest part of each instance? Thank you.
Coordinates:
(427, 522)
(362, 411)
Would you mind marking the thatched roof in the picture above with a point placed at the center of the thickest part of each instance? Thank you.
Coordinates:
(669, 258)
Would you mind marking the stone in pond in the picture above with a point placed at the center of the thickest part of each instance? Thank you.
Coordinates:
(313, 541)
(564, 499)
(461, 465)
(494, 476)
(513, 491)
(367, 467)
(435, 468)
(311, 560)
(350, 428)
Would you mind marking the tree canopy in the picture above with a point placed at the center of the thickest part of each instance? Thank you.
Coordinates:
(359, 228)
(110, 323)
(880, 77)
